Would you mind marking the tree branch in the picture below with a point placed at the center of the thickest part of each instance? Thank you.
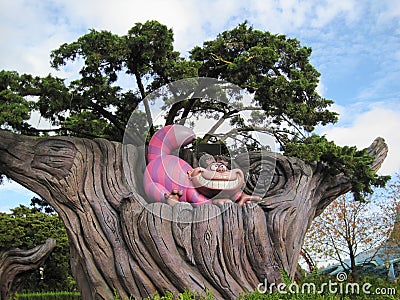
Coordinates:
(334, 186)
(16, 262)
(235, 131)
(145, 101)
(172, 113)
(214, 128)
(109, 116)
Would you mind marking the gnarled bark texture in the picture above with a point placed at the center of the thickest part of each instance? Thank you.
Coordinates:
(16, 263)
(120, 242)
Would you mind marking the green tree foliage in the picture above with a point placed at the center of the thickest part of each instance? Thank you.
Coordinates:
(276, 69)
(354, 163)
(26, 228)
(15, 105)
(118, 72)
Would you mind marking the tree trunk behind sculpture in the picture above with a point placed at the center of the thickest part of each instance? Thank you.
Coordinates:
(121, 243)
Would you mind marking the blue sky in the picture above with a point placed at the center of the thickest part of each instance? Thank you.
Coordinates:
(356, 48)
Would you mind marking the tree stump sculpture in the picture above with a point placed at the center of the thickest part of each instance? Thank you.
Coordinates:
(121, 243)
(16, 263)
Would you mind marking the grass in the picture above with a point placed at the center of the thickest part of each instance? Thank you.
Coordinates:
(387, 290)
(48, 296)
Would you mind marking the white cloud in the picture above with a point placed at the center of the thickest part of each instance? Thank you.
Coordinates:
(12, 186)
(120, 16)
(30, 30)
(12, 195)
(377, 122)
(397, 55)
(341, 110)
(321, 89)
(6, 208)
(390, 9)
(288, 16)
(327, 11)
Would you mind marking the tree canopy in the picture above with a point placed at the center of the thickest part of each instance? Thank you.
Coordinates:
(118, 72)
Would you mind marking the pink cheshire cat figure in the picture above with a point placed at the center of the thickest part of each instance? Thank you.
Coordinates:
(170, 179)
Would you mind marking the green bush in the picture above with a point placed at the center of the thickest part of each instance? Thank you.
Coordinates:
(48, 296)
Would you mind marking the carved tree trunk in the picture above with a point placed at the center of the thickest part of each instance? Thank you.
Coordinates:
(119, 242)
(16, 263)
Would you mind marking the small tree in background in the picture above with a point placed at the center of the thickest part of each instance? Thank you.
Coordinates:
(347, 228)
(392, 193)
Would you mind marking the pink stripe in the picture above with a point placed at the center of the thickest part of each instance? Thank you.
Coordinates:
(175, 170)
(155, 148)
(163, 142)
(194, 196)
(173, 143)
(159, 173)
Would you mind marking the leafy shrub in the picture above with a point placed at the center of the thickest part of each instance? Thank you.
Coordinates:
(48, 296)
